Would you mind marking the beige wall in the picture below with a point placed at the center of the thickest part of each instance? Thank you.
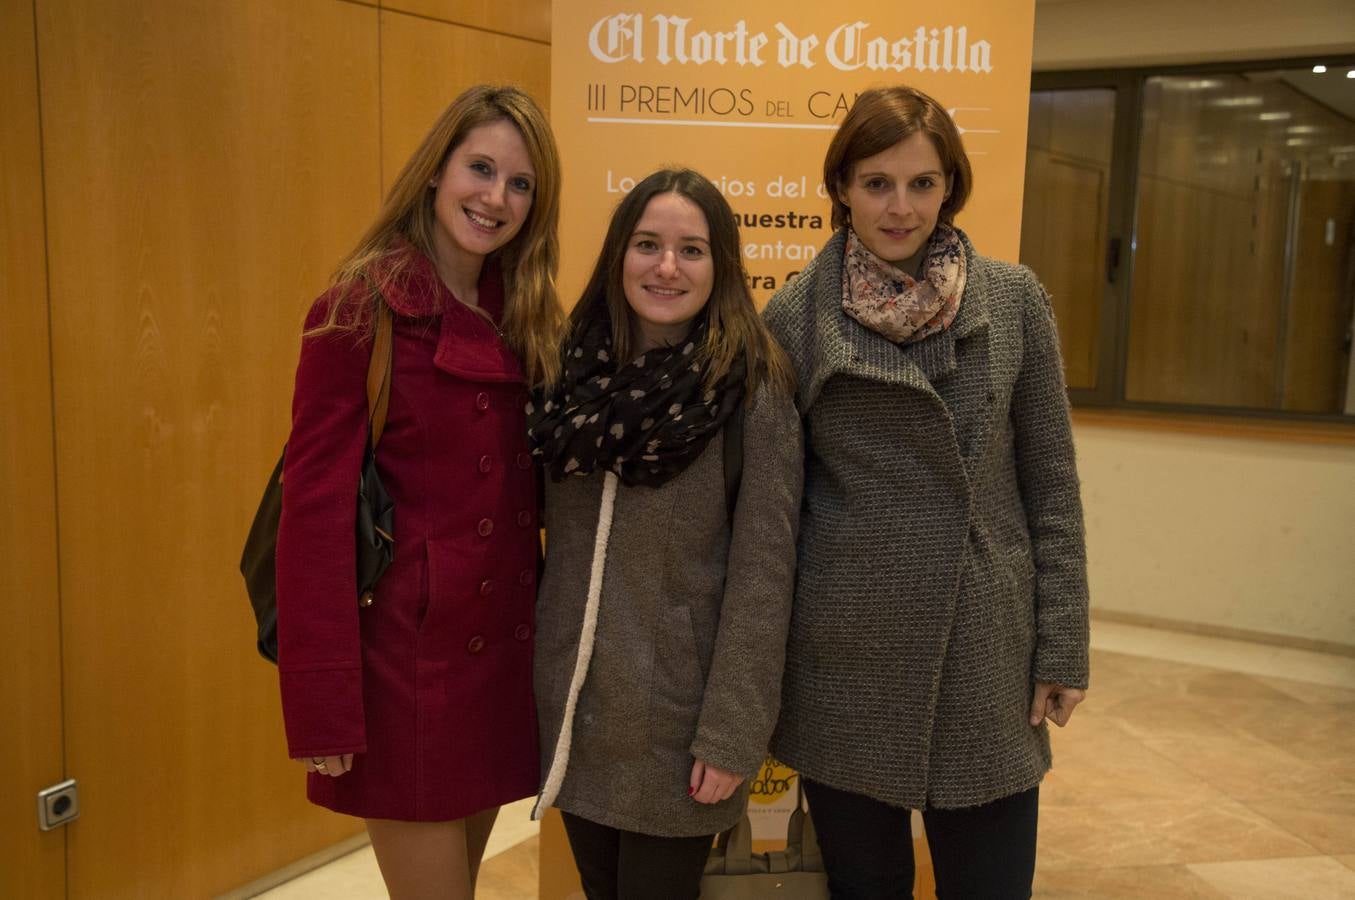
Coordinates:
(1093, 34)
(1226, 531)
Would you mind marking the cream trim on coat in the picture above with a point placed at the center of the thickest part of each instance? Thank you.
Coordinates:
(560, 759)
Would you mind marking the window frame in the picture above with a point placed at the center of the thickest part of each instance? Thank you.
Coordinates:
(1122, 225)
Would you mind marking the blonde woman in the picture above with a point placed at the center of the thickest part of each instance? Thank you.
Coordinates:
(416, 713)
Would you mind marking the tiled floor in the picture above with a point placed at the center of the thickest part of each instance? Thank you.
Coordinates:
(1198, 767)
(509, 871)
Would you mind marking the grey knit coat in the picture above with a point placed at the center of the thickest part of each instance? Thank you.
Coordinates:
(691, 630)
(942, 568)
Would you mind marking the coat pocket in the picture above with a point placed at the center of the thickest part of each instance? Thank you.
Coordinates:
(1021, 565)
(455, 568)
(1019, 583)
(678, 685)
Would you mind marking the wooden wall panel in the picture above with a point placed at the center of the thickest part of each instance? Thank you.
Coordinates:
(523, 18)
(1064, 220)
(1063, 238)
(1316, 359)
(1082, 125)
(207, 164)
(1204, 317)
(1213, 196)
(32, 863)
(424, 65)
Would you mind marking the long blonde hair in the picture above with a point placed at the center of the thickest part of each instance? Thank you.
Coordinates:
(735, 329)
(532, 320)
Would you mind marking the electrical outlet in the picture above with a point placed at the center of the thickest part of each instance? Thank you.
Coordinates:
(58, 805)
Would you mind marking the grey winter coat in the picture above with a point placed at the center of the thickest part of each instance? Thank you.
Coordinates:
(942, 568)
(690, 636)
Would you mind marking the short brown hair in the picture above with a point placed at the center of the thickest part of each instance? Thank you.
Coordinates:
(879, 119)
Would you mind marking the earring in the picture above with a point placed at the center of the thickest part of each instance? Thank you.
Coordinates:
(432, 182)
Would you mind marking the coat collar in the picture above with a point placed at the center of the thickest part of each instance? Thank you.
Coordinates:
(468, 346)
(835, 343)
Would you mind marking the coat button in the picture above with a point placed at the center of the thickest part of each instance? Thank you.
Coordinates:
(486, 464)
(524, 461)
(485, 528)
(525, 577)
(522, 632)
(482, 401)
(486, 588)
(475, 644)
(524, 518)
(992, 396)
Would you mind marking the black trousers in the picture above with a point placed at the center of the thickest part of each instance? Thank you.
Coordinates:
(626, 865)
(978, 853)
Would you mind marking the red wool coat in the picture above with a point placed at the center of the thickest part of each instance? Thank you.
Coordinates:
(431, 686)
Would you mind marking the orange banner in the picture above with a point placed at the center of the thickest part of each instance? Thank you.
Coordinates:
(749, 94)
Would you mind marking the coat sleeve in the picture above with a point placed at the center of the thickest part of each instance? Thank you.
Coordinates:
(319, 655)
(743, 689)
(1047, 476)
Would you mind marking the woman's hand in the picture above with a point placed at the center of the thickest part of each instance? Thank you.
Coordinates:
(333, 766)
(710, 784)
(1054, 702)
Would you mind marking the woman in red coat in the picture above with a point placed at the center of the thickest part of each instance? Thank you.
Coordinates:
(416, 712)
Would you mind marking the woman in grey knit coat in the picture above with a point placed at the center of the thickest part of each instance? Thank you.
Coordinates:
(662, 613)
(940, 617)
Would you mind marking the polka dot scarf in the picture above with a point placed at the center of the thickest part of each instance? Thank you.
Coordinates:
(644, 420)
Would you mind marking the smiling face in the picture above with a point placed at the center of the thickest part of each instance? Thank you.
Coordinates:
(667, 273)
(483, 195)
(895, 198)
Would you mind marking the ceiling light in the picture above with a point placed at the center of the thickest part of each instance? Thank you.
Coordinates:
(1351, 74)
(1274, 116)
(1190, 84)
(1303, 129)
(1318, 70)
(1238, 101)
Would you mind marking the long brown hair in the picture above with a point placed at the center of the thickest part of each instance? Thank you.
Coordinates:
(735, 327)
(532, 319)
(879, 119)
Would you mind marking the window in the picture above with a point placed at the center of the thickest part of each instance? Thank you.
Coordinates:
(1065, 217)
(1196, 229)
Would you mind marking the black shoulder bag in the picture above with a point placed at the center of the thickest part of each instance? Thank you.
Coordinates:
(375, 518)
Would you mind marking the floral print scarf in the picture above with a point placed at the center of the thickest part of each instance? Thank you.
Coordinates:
(888, 300)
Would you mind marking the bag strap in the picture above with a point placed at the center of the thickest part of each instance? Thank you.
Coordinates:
(800, 833)
(379, 372)
(733, 852)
